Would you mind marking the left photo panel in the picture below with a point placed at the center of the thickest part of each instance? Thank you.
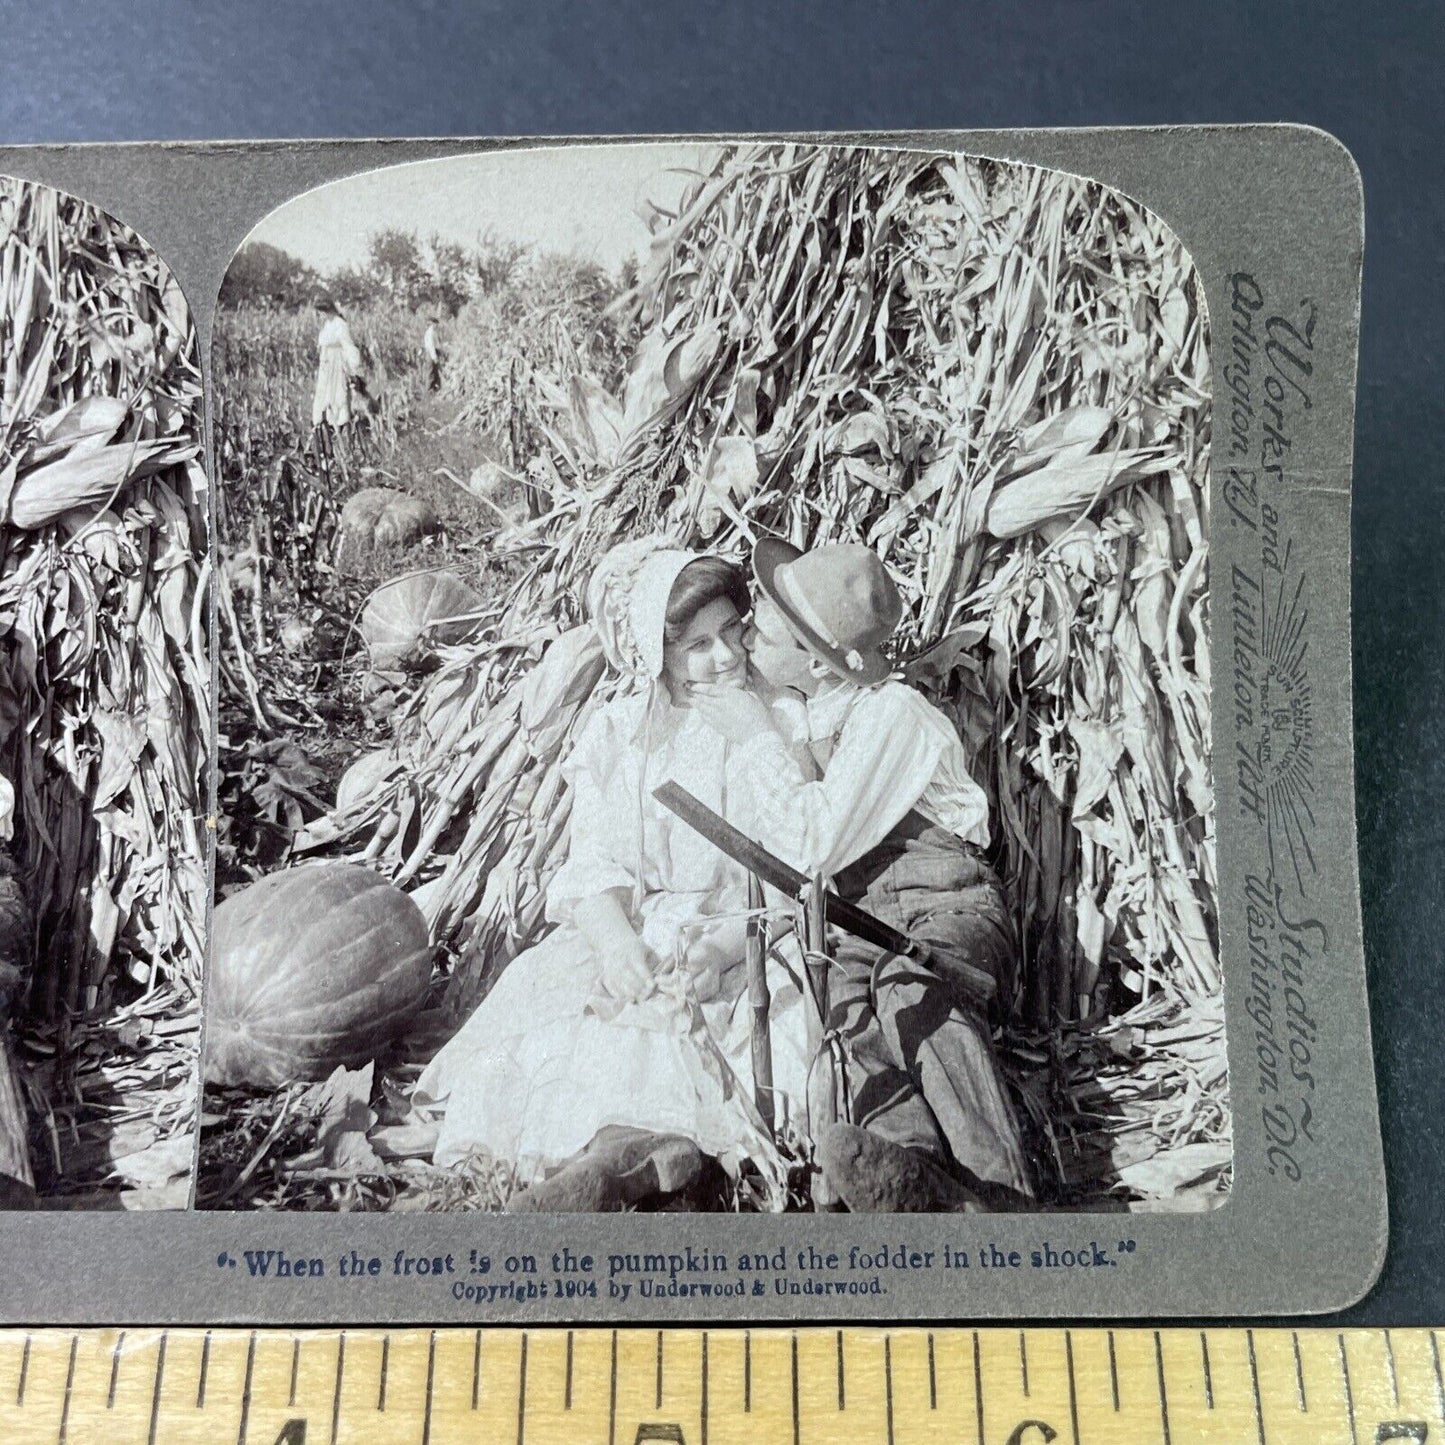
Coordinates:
(105, 719)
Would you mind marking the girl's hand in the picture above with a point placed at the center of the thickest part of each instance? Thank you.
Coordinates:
(733, 713)
(630, 970)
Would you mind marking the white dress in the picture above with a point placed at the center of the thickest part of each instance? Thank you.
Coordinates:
(340, 360)
(548, 1058)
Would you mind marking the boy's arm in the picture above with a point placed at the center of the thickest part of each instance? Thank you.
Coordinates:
(883, 763)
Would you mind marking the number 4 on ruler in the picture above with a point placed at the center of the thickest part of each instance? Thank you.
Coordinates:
(293, 1432)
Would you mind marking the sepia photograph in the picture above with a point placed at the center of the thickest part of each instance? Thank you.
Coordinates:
(714, 694)
(105, 713)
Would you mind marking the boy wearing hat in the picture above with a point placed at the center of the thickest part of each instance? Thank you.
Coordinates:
(898, 825)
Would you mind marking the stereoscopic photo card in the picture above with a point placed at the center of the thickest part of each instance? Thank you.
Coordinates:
(747, 728)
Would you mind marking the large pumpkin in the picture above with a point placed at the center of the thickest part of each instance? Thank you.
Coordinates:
(359, 514)
(385, 517)
(310, 968)
(401, 614)
(404, 521)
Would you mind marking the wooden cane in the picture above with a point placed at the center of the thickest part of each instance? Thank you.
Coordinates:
(822, 1080)
(761, 1000)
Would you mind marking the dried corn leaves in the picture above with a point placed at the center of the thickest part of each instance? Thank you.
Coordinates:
(105, 688)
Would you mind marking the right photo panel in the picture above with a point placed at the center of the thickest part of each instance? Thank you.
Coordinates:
(714, 713)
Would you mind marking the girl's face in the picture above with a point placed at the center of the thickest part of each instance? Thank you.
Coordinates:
(709, 649)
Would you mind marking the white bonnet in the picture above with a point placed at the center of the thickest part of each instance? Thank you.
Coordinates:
(627, 600)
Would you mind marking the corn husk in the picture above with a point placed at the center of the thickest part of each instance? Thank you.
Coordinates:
(88, 479)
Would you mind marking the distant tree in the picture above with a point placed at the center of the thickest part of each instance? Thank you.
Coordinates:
(583, 285)
(264, 275)
(449, 269)
(353, 287)
(496, 263)
(395, 261)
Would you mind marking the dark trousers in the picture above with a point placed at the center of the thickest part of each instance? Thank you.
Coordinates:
(920, 1061)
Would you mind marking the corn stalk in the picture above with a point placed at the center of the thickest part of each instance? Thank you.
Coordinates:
(103, 671)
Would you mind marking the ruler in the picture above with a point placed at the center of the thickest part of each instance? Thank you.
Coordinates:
(720, 1387)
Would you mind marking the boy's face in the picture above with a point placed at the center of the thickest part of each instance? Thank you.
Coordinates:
(776, 654)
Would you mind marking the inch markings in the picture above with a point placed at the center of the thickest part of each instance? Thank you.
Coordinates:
(978, 1386)
(903, 1386)
(1254, 1385)
(703, 1402)
(1349, 1390)
(115, 1369)
(1439, 1378)
(336, 1394)
(205, 1367)
(797, 1417)
(246, 1390)
(1163, 1389)
(431, 1374)
(156, 1393)
(63, 1434)
(888, 1382)
(1073, 1385)
(612, 1396)
(522, 1389)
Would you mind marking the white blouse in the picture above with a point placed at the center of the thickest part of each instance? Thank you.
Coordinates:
(893, 751)
(622, 837)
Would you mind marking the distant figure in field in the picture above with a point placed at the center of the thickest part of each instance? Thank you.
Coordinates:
(432, 354)
(339, 369)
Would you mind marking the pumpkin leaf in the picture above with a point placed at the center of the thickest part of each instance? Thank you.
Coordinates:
(343, 1103)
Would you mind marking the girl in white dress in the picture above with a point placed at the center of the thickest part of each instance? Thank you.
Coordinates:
(634, 1010)
(338, 365)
